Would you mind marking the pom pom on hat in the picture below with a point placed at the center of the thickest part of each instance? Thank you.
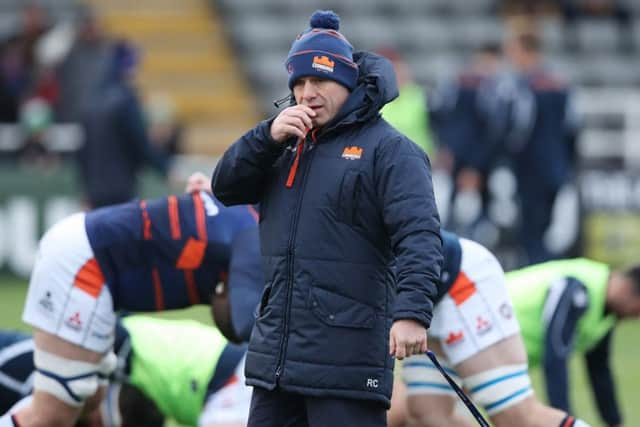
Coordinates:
(321, 51)
(325, 19)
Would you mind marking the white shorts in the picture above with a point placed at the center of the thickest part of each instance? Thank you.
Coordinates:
(230, 404)
(68, 296)
(476, 312)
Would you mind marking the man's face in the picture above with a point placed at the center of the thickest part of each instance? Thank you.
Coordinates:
(324, 96)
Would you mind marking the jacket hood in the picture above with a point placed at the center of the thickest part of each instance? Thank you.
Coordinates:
(376, 87)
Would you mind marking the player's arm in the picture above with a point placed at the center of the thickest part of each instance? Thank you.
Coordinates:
(566, 302)
(602, 381)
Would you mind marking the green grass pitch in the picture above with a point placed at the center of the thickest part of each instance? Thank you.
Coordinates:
(626, 355)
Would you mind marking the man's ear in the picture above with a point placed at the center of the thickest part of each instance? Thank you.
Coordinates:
(221, 313)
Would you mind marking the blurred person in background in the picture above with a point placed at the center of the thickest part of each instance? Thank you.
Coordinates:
(477, 338)
(470, 116)
(147, 255)
(178, 369)
(36, 117)
(343, 196)
(117, 144)
(541, 140)
(408, 112)
(575, 10)
(84, 66)
(573, 306)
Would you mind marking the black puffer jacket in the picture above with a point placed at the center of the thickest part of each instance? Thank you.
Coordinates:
(362, 201)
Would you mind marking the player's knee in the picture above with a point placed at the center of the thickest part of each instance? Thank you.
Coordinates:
(70, 381)
(501, 388)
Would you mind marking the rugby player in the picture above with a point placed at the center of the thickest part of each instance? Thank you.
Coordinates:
(179, 369)
(573, 306)
(476, 334)
(146, 255)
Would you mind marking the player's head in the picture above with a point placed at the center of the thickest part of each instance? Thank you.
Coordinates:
(623, 293)
(523, 50)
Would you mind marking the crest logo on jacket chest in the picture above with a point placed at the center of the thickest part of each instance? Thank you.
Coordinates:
(352, 153)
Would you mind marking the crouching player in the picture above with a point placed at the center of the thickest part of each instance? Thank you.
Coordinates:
(573, 306)
(476, 334)
(151, 255)
(179, 369)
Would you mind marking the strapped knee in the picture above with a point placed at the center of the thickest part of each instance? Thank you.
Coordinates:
(421, 376)
(500, 388)
(71, 381)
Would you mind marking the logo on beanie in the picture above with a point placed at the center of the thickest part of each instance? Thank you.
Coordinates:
(323, 63)
(290, 68)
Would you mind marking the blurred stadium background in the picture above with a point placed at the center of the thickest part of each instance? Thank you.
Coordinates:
(211, 68)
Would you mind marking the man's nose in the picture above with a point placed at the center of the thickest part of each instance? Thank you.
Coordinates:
(309, 91)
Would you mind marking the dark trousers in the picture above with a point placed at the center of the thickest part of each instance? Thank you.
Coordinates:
(281, 409)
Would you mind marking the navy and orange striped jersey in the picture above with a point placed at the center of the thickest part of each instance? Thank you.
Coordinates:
(171, 252)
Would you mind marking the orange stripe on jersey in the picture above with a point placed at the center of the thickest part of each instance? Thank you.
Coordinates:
(90, 278)
(146, 221)
(192, 289)
(232, 380)
(157, 289)
(174, 218)
(201, 223)
(192, 254)
(568, 421)
(463, 288)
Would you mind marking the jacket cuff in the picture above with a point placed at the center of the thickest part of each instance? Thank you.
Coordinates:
(421, 317)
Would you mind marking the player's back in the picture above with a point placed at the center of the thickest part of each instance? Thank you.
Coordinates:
(168, 252)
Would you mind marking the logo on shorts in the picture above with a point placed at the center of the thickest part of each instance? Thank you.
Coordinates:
(506, 310)
(482, 325)
(454, 338)
(101, 337)
(74, 322)
(46, 303)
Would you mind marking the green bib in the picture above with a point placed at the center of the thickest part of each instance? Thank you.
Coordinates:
(173, 362)
(528, 289)
(408, 113)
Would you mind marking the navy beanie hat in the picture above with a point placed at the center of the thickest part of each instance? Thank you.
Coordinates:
(323, 52)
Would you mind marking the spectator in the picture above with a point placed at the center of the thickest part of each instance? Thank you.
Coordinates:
(165, 131)
(116, 142)
(14, 80)
(408, 112)
(83, 67)
(541, 141)
(343, 196)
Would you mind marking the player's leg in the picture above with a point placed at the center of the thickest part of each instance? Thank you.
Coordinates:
(497, 378)
(430, 400)
(397, 413)
(71, 310)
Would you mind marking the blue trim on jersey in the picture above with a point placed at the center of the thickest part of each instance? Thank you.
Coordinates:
(507, 399)
(63, 381)
(417, 364)
(429, 385)
(497, 380)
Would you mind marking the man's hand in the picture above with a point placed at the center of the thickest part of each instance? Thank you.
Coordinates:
(198, 182)
(292, 121)
(407, 338)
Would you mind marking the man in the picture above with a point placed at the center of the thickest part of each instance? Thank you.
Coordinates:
(574, 305)
(541, 141)
(179, 369)
(476, 335)
(141, 256)
(343, 196)
(117, 145)
(469, 116)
